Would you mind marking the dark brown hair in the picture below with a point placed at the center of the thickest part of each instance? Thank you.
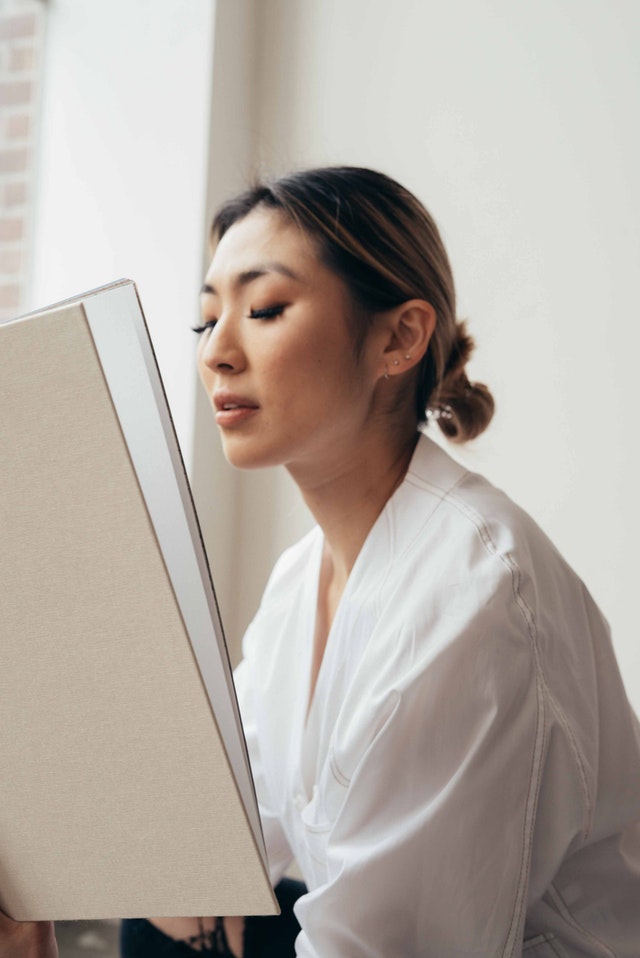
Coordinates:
(381, 241)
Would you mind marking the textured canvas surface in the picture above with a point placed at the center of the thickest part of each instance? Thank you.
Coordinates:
(116, 799)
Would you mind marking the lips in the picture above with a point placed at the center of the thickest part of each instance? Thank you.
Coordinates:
(231, 409)
(224, 402)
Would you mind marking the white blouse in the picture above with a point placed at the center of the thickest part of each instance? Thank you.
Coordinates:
(468, 780)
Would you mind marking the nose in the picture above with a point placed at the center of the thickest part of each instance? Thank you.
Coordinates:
(222, 350)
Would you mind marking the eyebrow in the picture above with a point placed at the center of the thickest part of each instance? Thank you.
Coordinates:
(249, 275)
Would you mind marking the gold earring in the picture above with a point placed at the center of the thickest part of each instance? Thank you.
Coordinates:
(407, 356)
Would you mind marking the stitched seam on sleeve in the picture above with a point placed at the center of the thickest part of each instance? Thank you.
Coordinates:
(514, 935)
(509, 562)
(567, 914)
(512, 943)
(527, 614)
(562, 718)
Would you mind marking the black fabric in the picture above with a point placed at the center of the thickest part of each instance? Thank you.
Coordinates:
(140, 939)
(264, 937)
(274, 937)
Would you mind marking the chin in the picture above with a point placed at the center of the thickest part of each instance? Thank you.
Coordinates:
(242, 454)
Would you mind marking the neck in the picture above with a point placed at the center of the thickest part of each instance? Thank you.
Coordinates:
(347, 496)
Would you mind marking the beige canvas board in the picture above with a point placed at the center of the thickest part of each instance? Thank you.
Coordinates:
(117, 796)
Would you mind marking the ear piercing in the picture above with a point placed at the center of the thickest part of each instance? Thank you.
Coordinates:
(396, 362)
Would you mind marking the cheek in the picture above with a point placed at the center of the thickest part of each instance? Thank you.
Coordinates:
(304, 374)
(308, 362)
(203, 370)
(286, 362)
(322, 351)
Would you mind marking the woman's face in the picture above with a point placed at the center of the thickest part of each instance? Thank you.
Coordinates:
(276, 356)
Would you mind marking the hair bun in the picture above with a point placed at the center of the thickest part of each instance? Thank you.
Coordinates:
(461, 408)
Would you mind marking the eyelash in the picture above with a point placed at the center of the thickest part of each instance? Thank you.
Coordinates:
(269, 312)
(201, 329)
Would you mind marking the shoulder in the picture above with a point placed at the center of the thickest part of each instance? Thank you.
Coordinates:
(477, 576)
(471, 572)
(470, 524)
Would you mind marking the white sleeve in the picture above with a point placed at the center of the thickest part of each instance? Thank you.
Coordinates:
(278, 851)
(430, 851)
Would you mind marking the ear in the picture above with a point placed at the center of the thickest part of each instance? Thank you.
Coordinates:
(409, 328)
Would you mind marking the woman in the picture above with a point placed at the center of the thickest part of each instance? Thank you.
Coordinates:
(438, 731)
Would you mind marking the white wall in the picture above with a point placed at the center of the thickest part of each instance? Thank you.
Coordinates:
(248, 518)
(123, 166)
(517, 125)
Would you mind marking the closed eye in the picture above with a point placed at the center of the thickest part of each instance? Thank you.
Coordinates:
(208, 325)
(269, 312)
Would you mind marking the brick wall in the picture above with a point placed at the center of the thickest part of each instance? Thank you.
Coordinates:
(21, 51)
